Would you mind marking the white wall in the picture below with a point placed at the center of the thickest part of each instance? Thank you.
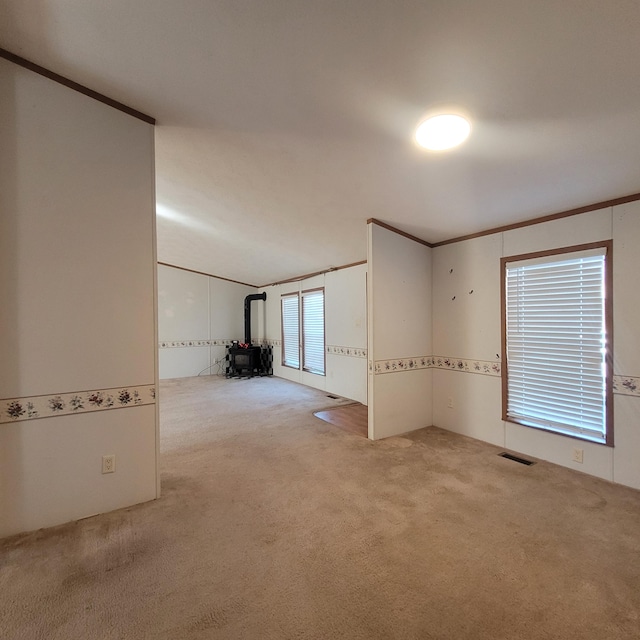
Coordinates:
(346, 327)
(466, 326)
(467, 330)
(77, 310)
(626, 362)
(399, 317)
(197, 316)
(345, 332)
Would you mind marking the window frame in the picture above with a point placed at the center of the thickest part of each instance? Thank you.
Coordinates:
(292, 294)
(301, 343)
(607, 245)
(324, 332)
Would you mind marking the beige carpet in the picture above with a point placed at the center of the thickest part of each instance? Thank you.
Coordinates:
(276, 525)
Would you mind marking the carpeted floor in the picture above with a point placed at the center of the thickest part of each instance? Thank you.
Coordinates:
(276, 525)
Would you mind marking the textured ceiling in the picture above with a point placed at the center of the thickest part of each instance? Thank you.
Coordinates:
(283, 125)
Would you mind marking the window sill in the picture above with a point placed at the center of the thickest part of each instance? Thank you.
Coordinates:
(573, 436)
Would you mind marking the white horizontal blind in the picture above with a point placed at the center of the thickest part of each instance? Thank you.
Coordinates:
(291, 331)
(556, 343)
(313, 331)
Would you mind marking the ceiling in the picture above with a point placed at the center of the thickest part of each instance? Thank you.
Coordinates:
(283, 125)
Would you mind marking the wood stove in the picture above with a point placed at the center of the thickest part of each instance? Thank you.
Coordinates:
(246, 359)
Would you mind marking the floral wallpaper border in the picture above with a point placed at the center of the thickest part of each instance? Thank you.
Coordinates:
(353, 352)
(172, 344)
(622, 385)
(626, 386)
(271, 343)
(400, 364)
(218, 342)
(483, 367)
(63, 404)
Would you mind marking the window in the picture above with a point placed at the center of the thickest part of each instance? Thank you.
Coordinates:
(307, 339)
(557, 341)
(291, 331)
(313, 331)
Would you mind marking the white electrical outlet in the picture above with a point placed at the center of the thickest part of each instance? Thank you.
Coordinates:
(109, 464)
(450, 403)
(578, 455)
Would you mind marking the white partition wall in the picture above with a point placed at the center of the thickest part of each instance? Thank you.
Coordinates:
(399, 313)
(77, 304)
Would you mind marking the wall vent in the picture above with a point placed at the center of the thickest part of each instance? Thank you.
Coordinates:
(510, 456)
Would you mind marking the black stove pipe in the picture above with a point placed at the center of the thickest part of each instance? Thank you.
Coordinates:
(247, 313)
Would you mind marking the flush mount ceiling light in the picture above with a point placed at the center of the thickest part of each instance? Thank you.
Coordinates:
(442, 132)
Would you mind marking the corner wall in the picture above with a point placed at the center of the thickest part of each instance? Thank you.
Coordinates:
(198, 315)
(399, 319)
(467, 341)
(77, 311)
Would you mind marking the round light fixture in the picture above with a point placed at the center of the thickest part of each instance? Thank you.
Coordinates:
(442, 132)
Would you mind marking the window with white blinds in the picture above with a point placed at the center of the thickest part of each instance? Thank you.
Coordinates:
(313, 331)
(291, 331)
(556, 343)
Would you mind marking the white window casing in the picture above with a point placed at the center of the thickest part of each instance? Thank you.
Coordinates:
(291, 331)
(556, 343)
(313, 341)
